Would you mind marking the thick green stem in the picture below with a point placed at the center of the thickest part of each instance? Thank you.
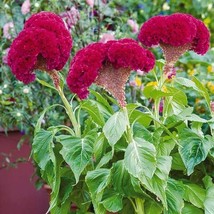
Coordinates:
(139, 206)
(129, 131)
(157, 109)
(70, 112)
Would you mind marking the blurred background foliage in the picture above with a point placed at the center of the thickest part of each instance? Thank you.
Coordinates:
(20, 105)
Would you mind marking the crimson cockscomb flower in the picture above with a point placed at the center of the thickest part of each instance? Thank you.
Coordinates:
(109, 66)
(175, 34)
(44, 44)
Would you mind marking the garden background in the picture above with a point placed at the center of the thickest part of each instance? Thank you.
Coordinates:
(87, 21)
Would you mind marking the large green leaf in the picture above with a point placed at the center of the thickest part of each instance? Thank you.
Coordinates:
(153, 92)
(113, 202)
(100, 146)
(42, 146)
(77, 152)
(152, 207)
(158, 183)
(105, 159)
(194, 194)
(139, 131)
(209, 199)
(140, 158)
(140, 117)
(203, 91)
(102, 101)
(97, 180)
(190, 209)
(92, 107)
(115, 127)
(186, 82)
(174, 194)
(176, 102)
(125, 183)
(193, 149)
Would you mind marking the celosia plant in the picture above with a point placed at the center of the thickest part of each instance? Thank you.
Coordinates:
(108, 65)
(175, 34)
(130, 159)
(44, 44)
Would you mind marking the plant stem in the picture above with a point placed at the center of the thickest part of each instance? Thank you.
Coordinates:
(129, 131)
(157, 108)
(70, 112)
(139, 205)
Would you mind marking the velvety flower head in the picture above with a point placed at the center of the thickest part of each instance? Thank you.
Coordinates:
(108, 65)
(176, 34)
(44, 44)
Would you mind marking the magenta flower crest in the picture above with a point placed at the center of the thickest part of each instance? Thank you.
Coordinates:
(176, 34)
(109, 66)
(43, 44)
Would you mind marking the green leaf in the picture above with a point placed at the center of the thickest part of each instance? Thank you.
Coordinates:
(97, 180)
(42, 144)
(113, 202)
(115, 127)
(100, 146)
(152, 207)
(186, 82)
(42, 82)
(102, 101)
(77, 152)
(105, 159)
(39, 121)
(193, 149)
(208, 202)
(92, 107)
(139, 131)
(177, 163)
(165, 147)
(174, 194)
(140, 117)
(203, 91)
(55, 184)
(124, 183)
(176, 102)
(194, 194)
(158, 183)
(140, 158)
(18, 18)
(190, 209)
(153, 92)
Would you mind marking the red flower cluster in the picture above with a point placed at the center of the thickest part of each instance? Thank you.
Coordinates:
(90, 61)
(44, 43)
(175, 30)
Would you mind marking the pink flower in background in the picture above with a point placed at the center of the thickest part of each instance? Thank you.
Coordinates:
(43, 44)
(140, 72)
(212, 106)
(7, 30)
(107, 37)
(4, 57)
(90, 3)
(134, 26)
(70, 17)
(25, 7)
